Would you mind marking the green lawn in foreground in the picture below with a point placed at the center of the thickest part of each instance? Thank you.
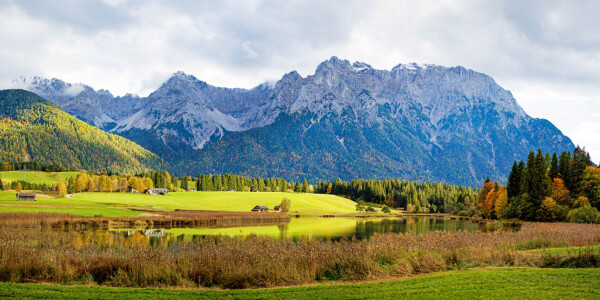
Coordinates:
(305, 204)
(37, 176)
(501, 283)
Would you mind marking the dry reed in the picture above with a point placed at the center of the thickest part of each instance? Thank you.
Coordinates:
(59, 256)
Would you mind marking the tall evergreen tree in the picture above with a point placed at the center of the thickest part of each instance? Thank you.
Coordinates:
(554, 167)
(513, 185)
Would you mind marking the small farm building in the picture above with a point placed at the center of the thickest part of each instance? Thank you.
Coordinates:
(26, 196)
(260, 208)
(277, 208)
(158, 191)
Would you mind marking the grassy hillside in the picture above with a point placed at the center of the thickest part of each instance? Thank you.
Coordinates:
(306, 204)
(32, 128)
(497, 283)
(37, 176)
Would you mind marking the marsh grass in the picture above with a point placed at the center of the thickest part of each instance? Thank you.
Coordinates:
(61, 256)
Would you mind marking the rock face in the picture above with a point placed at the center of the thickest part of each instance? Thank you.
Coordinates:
(417, 122)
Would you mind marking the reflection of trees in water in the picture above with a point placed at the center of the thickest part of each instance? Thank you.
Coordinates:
(363, 229)
(283, 231)
(416, 225)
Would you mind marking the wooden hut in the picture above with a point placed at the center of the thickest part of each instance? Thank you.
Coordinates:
(260, 208)
(158, 191)
(26, 196)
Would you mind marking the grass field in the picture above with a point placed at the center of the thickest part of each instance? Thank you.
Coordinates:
(304, 204)
(43, 203)
(498, 283)
(37, 176)
(118, 204)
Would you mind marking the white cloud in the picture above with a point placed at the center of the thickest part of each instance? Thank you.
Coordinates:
(534, 48)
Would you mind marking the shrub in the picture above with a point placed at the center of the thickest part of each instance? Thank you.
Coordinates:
(585, 214)
(385, 209)
(462, 213)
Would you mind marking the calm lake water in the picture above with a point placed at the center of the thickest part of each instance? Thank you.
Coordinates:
(297, 229)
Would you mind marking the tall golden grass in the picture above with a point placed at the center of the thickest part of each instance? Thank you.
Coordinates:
(61, 256)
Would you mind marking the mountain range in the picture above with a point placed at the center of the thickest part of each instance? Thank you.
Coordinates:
(347, 120)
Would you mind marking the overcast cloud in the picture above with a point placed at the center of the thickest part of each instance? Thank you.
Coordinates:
(546, 52)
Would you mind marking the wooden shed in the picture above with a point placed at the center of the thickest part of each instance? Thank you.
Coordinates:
(158, 191)
(277, 208)
(26, 196)
(260, 208)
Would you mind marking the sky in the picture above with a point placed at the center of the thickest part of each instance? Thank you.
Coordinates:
(547, 53)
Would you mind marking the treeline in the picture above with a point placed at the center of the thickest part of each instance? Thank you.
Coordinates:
(230, 182)
(563, 187)
(413, 196)
(33, 166)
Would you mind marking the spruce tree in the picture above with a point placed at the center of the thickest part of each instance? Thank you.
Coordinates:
(513, 184)
(554, 167)
(305, 186)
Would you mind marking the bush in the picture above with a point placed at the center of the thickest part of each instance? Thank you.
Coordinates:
(586, 214)
(462, 213)
(385, 209)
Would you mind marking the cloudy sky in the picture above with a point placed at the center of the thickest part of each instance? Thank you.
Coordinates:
(546, 52)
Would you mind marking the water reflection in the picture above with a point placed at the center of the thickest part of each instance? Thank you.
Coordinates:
(296, 230)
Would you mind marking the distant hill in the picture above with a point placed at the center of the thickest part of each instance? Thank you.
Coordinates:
(33, 128)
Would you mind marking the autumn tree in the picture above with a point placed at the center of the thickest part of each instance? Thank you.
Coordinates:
(105, 183)
(488, 186)
(501, 202)
(81, 182)
(549, 211)
(62, 189)
(590, 185)
(19, 187)
(285, 204)
(560, 193)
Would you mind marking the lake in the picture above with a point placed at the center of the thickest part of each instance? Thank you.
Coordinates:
(297, 229)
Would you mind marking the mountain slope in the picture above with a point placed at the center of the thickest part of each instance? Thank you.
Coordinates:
(420, 122)
(32, 128)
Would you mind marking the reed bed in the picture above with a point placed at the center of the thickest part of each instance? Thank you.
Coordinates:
(61, 256)
(171, 219)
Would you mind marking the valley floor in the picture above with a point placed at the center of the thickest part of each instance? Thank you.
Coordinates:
(497, 283)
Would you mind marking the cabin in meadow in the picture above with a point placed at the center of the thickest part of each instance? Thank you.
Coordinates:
(158, 191)
(26, 196)
(277, 208)
(260, 208)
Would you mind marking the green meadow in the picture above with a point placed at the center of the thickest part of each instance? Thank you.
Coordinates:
(120, 204)
(43, 203)
(494, 283)
(304, 204)
(37, 176)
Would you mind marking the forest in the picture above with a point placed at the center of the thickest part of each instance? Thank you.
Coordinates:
(546, 188)
(34, 129)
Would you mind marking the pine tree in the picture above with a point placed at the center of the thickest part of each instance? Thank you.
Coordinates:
(554, 167)
(513, 184)
(305, 186)
(1, 185)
